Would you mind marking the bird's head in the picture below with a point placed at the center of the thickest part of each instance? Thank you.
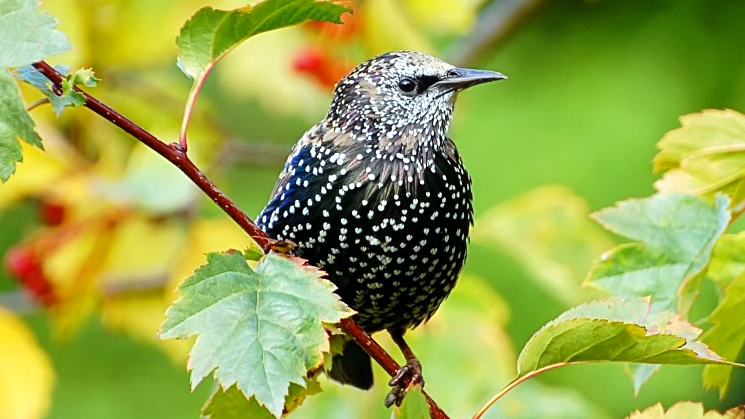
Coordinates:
(401, 94)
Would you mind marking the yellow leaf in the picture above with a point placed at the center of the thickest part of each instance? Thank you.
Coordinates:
(386, 28)
(73, 267)
(705, 155)
(143, 247)
(444, 16)
(26, 375)
(139, 315)
(687, 410)
(36, 173)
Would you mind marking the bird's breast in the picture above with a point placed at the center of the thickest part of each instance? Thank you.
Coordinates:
(391, 234)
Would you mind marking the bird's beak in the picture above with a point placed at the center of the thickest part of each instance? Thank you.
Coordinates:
(461, 78)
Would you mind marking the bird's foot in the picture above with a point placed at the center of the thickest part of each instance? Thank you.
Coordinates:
(413, 370)
(282, 246)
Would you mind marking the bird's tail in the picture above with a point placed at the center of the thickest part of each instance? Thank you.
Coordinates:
(352, 367)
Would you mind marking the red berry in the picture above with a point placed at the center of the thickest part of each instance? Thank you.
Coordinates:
(40, 288)
(308, 60)
(20, 262)
(322, 67)
(52, 213)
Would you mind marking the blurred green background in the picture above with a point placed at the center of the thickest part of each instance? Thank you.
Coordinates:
(593, 85)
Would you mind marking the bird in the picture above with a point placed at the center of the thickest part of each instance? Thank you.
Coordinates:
(377, 196)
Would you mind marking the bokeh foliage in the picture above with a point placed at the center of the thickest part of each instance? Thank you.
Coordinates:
(594, 85)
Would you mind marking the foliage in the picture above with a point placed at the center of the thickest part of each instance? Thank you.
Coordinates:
(260, 329)
(687, 410)
(615, 330)
(26, 375)
(414, 406)
(101, 205)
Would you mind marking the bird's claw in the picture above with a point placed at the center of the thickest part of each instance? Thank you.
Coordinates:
(282, 246)
(413, 370)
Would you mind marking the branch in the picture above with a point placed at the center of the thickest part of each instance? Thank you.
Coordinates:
(171, 152)
(517, 381)
(499, 19)
(176, 154)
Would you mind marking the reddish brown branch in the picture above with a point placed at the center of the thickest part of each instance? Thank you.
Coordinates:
(171, 152)
(175, 154)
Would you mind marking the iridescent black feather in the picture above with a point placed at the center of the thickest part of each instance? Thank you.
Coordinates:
(378, 197)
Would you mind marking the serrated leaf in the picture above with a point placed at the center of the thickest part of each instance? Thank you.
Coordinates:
(69, 97)
(705, 155)
(687, 410)
(15, 123)
(26, 375)
(727, 335)
(27, 35)
(615, 330)
(261, 329)
(548, 232)
(677, 233)
(232, 404)
(414, 406)
(211, 33)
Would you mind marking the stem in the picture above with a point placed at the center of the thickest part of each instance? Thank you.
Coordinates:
(33, 105)
(384, 359)
(171, 152)
(511, 386)
(495, 23)
(176, 154)
(189, 107)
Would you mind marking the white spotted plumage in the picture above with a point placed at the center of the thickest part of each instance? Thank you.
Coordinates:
(377, 195)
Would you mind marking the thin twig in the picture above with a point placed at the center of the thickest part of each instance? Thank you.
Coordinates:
(498, 19)
(517, 381)
(171, 152)
(33, 105)
(175, 154)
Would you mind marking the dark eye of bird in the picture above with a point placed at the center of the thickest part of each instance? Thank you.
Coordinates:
(407, 85)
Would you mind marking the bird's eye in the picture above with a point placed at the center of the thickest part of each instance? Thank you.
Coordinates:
(407, 85)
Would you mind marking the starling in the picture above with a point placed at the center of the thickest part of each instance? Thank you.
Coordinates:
(376, 195)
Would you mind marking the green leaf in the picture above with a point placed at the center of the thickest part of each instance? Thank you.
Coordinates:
(414, 406)
(687, 410)
(727, 335)
(677, 234)
(548, 232)
(727, 259)
(615, 330)
(640, 374)
(27, 35)
(69, 96)
(210, 33)
(15, 123)
(705, 155)
(261, 329)
(232, 404)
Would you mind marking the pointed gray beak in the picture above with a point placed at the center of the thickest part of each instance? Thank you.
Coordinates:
(461, 78)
